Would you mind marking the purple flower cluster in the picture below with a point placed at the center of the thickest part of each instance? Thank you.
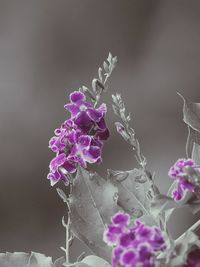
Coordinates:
(193, 258)
(133, 246)
(180, 171)
(79, 140)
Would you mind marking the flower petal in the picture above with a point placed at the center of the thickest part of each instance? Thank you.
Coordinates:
(72, 108)
(83, 121)
(77, 96)
(84, 141)
(93, 154)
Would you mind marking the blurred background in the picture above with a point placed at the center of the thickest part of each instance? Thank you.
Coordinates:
(50, 48)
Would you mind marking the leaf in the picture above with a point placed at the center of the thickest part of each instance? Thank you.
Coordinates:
(97, 86)
(106, 67)
(191, 116)
(76, 264)
(39, 260)
(193, 137)
(196, 153)
(92, 203)
(21, 259)
(16, 259)
(59, 262)
(100, 74)
(132, 194)
(191, 113)
(90, 261)
(95, 261)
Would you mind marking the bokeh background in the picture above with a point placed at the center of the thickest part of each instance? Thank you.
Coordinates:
(50, 48)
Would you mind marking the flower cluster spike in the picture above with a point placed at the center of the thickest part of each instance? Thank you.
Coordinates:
(133, 246)
(79, 140)
(187, 174)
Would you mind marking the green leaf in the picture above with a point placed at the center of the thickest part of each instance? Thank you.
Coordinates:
(92, 203)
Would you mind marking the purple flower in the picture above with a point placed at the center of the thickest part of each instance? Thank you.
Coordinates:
(79, 140)
(84, 151)
(57, 166)
(193, 259)
(86, 117)
(187, 174)
(133, 246)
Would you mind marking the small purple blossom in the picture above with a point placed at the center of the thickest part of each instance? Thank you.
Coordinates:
(84, 151)
(58, 167)
(84, 114)
(79, 140)
(181, 171)
(133, 246)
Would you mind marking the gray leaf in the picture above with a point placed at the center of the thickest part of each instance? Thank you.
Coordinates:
(196, 153)
(21, 259)
(16, 259)
(132, 195)
(89, 261)
(193, 137)
(95, 261)
(39, 260)
(100, 74)
(97, 86)
(191, 114)
(59, 262)
(106, 67)
(93, 202)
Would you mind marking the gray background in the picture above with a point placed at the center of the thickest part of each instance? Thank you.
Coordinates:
(50, 48)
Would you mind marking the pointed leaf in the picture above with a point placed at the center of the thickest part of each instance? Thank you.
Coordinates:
(132, 194)
(39, 260)
(191, 116)
(93, 202)
(106, 67)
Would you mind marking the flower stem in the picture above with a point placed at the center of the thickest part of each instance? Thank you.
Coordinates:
(66, 249)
